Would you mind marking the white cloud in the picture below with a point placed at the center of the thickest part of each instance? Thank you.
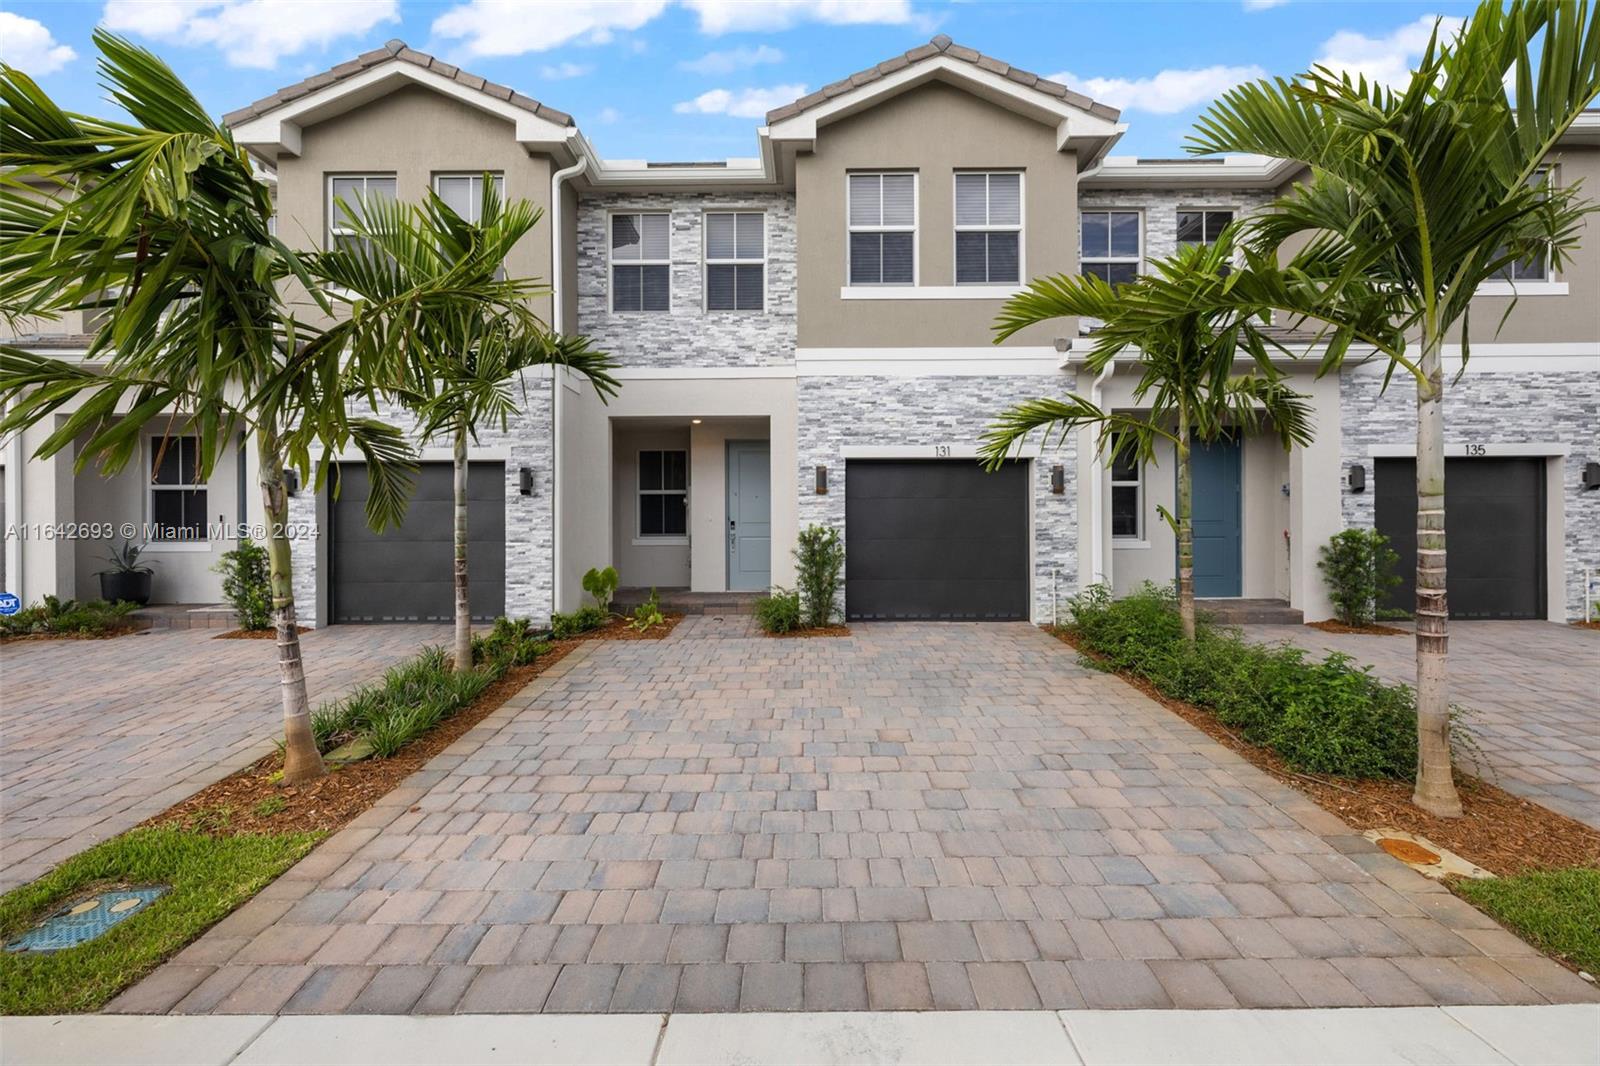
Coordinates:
(1263, 5)
(1389, 59)
(733, 59)
(741, 103)
(1167, 92)
(730, 16)
(29, 46)
(562, 71)
(249, 33)
(609, 116)
(512, 27)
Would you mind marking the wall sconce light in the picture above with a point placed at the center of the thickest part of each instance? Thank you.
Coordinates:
(1358, 478)
(525, 481)
(822, 481)
(291, 483)
(1591, 475)
(1058, 479)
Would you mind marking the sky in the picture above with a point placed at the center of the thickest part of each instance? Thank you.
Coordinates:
(692, 79)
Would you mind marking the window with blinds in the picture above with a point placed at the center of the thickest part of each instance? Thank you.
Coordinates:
(988, 228)
(883, 228)
(641, 262)
(347, 195)
(1110, 245)
(736, 251)
(464, 193)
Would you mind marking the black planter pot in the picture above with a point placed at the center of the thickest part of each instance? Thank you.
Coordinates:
(132, 585)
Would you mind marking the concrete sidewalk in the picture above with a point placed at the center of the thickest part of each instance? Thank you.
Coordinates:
(1524, 1035)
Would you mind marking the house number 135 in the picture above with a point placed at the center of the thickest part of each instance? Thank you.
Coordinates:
(1477, 449)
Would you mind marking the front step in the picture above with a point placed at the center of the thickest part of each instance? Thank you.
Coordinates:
(1251, 612)
(682, 601)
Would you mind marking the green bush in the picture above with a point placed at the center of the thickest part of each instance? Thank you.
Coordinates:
(780, 612)
(648, 614)
(819, 559)
(247, 584)
(56, 617)
(1327, 716)
(1358, 566)
(564, 626)
(413, 697)
(512, 642)
(602, 585)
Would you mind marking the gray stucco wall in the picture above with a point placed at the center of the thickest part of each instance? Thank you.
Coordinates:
(688, 334)
(1491, 408)
(836, 412)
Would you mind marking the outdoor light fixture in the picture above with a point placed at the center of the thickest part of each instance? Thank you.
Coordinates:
(696, 421)
(1058, 479)
(525, 475)
(1358, 478)
(1591, 475)
(822, 481)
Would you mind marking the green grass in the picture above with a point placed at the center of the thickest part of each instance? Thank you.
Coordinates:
(1557, 911)
(210, 877)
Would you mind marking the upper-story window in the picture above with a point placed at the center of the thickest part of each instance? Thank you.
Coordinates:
(1110, 245)
(883, 228)
(988, 228)
(736, 258)
(641, 262)
(1536, 267)
(464, 193)
(1202, 225)
(177, 504)
(346, 195)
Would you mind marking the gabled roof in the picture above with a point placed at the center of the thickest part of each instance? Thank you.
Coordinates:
(393, 50)
(942, 46)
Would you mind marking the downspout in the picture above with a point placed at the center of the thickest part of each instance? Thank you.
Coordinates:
(1097, 540)
(558, 324)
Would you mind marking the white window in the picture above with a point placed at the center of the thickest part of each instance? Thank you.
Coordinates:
(988, 229)
(1127, 493)
(346, 195)
(177, 500)
(641, 262)
(1202, 225)
(1110, 245)
(464, 192)
(1536, 267)
(663, 494)
(883, 228)
(736, 257)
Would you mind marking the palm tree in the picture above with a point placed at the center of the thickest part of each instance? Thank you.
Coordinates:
(1187, 386)
(444, 333)
(1416, 197)
(161, 223)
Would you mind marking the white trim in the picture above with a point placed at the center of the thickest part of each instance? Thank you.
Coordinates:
(1522, 288)
(929, 292)
(1128, 544)
(1228, 172)
(692, 373)
(1490, 450)
(1020, 229)
(986, 361)
(12, 466)
(657, 542)
(1497, 358)
(952, 450)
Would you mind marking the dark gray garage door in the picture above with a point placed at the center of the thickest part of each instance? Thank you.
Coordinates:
(406, 574)
(1494, 534)
(936, 539)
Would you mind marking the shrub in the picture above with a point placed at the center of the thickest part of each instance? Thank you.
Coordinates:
(512, 642)
(602, 585)
(413, 697)
(247, 584)
(563, 626)
(779, 612)
(648, 614)
(819, 560)
(1327, 716)
(1358, 566)
(55, 617)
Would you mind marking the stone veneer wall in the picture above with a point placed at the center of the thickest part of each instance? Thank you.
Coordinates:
(1494, 408)
(528, 440)
(835, 412)
(1160, 208)
(688, 334)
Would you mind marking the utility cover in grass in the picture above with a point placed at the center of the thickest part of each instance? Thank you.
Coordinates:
(86, 919)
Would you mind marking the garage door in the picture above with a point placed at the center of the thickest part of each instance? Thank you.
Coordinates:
(936, 540)
(406, 574)
(1494, 534)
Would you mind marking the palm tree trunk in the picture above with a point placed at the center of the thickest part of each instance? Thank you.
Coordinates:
(301, 760)
(463, 603)
(1436, 790)
(1185, 529)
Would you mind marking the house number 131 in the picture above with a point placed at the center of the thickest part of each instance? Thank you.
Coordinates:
(942, 451)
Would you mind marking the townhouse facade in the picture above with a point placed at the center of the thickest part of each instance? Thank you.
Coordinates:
(806, 337)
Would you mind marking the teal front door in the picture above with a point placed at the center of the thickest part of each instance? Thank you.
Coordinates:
(749, 515)
(1218, 551)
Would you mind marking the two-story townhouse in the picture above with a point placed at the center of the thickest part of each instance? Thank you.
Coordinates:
(805, 336)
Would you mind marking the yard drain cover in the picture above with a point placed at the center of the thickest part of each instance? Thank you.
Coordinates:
(1408, 851)
(86, 919)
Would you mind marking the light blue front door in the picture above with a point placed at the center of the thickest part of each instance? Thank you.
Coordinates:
(749, 515)
(1218, 562)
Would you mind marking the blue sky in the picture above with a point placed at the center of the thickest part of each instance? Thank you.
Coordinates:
(689, 79)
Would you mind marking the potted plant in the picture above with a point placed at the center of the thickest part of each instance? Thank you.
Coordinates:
(126, 580)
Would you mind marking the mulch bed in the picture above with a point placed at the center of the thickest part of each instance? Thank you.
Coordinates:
(1504, 834)
(23, 638)
(256, 634)
(1586, 625)
(620, 628)
(813, 631)
(1376, 629)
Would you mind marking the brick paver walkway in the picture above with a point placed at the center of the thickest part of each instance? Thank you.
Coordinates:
(913, 817)
(1533, 688)
(98, 735)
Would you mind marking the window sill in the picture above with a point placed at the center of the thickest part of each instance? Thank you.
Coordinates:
(660, 542)
(1522, 288)
(1128, 544)
(929, 292)
(162, 547)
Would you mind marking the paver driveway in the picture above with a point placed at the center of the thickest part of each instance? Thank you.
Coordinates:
(1534, 689)
(98, 735)
(951, 816)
